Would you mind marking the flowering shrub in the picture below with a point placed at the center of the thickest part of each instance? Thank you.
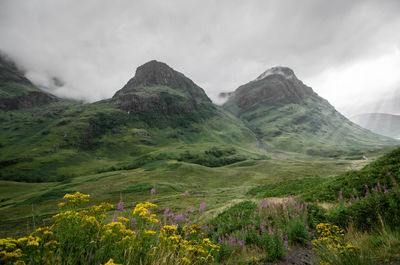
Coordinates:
(269, 225)
(367, 209)
(331, 248)
(83, 237)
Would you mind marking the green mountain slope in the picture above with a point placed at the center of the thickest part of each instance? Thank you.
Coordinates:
(17, 92)
(288, 115)
(159, 115)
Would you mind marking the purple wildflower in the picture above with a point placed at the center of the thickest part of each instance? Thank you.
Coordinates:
(153, 190)
(202, 206)
(179, 217)
(186, 193)
(166, 211)
(115, 219)
(121, 206)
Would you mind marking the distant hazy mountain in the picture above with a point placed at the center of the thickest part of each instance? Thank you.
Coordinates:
(288, 115)
(381, 123)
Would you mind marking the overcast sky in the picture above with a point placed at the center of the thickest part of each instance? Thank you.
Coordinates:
(347, 51)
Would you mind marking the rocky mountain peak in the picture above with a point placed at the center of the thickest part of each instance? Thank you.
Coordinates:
(278, 70)
(278, 85)
(158, 73)
(157, 88)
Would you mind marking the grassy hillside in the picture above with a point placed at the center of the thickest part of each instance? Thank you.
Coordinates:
(67, 140)
(382, 174)
(219, 187)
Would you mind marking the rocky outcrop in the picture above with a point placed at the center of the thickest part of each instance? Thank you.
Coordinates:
(27, 100)
(276, 86)
(157, 88)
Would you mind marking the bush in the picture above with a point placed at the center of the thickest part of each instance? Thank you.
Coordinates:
(298, 233)
(273, 245)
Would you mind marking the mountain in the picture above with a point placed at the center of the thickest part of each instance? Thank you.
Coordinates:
(17, 92)
(288, 115)
(158, 116)
(156, 87)
(380, 123)
(161, 95)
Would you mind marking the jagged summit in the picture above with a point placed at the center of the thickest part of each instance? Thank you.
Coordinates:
(276, 86)
(158, 73)
(278, 70)
(156, 87)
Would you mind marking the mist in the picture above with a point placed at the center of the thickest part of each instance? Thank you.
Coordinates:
(87, 50)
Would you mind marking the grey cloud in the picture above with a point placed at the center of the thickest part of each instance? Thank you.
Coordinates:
(95, 46)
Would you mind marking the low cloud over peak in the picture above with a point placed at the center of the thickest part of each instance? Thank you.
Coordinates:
(94, 47)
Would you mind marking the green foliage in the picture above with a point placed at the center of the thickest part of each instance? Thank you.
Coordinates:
(370, 212)
(370, 175)
(228, 222)
(141, 187)
(49, 195)
(316, 215)
(214, 157)
(298, 233)
(272, 244)
(269, 225)
(285, 188)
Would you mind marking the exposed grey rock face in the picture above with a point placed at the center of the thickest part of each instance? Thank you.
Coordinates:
(28, 100)
(156, 87)
(17, 92)
(277, 85)
(158, 73)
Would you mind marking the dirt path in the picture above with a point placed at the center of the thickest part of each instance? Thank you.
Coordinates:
(297, 256)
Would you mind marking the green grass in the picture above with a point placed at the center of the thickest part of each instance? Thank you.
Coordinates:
(369, 175)
(286, 188)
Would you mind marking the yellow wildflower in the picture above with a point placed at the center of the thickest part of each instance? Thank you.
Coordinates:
(186, 260)
(149, 232)
(77, 198)
(111, 262)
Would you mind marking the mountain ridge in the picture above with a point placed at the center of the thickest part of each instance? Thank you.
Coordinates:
(289, 115)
